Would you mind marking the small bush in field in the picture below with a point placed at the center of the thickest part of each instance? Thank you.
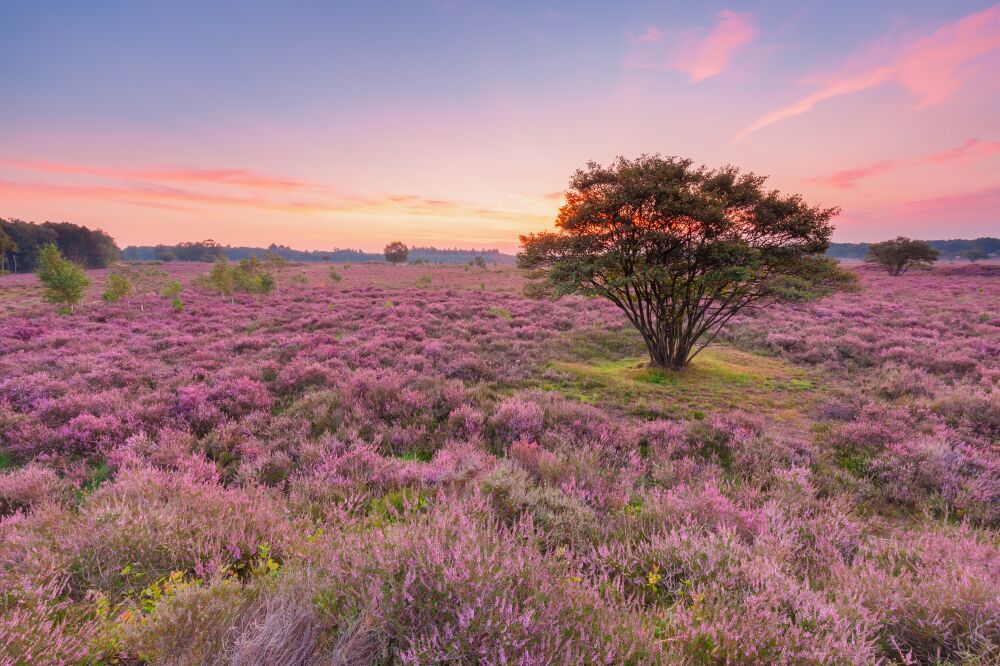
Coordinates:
(334, 275)
(64, 282)
(172, 289)
(901, 254)
(277, 481)
(116, 288)
(423, 282)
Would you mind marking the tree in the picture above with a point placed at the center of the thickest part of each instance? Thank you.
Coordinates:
(901, 254)
(971, 255)
(220, 278)
(64, 282)
(163, 253)
(7, 246)
(681, 249)
(117, 287)
(251, 278)
(130, 280)
(396, 252)
(277, 263)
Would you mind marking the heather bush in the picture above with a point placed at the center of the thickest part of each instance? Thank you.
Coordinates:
(23, 488)
(149, 523)
(936, 595)
(561, 518)
(39, 625)
(190, 624)
(515, 418)
(428, 589)
(315, 478)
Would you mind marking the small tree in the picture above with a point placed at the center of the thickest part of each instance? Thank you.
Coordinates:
(7, 246)
(901, 254)
(131, 280)
(681, 249)
(396, 252)
(974, 255)
(277, 264)
(220, 278)
(116, 288)
(251, 278)
(64, 282)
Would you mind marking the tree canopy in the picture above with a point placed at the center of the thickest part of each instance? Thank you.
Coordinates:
(681, 248)
(901, 254)
(90, 248)
(396, 252)
(62, 280)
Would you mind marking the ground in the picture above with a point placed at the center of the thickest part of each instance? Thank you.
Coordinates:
(417, 464)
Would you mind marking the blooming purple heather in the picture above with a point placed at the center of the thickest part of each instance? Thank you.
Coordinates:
(419, 465)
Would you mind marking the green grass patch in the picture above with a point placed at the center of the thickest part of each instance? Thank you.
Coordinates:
(720, 378)
(6, 462)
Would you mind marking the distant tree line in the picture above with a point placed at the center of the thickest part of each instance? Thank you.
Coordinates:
(951, 249)
(21, 243)
(209, 251)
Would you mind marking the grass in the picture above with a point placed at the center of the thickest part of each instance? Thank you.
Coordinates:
(613, 371)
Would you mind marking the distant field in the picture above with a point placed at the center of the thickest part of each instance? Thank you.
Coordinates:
(410, 455)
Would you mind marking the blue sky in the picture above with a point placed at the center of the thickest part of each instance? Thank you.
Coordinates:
(460, 122)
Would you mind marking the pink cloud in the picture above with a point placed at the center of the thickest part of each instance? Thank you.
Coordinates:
(925, 65)
(986, 200)
(705, 57)
(969, 150)
(245, 177)
(183, 188)
(699, 53)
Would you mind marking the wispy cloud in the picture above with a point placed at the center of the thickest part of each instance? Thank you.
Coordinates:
(188, 188)
(244, 177)
(985, 200)
(969, 150)
(927, 65)
(700, 53)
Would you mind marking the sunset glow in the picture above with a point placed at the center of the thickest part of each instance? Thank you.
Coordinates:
(455, 123)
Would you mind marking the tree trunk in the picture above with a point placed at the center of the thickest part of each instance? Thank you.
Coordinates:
(662, 356)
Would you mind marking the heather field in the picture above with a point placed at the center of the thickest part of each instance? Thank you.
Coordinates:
(420, 465)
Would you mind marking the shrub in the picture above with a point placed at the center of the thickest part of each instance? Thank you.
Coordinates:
(63, 281)
(23, 488)
(116, 288)
(514, 418)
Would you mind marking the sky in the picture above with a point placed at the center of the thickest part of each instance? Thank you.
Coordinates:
(458, 123)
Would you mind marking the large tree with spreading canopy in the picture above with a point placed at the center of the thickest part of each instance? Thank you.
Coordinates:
(681, 248)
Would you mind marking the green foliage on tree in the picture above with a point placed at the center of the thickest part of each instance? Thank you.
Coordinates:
(681, 249)
(133, 280)
(220, 278)
(90, 248)
(396, 252)
(171, 289)
(900, 254)
(249, 276)
(7, 247)
(116, 288)
(277, 265)
(974, 255)
(63, 281)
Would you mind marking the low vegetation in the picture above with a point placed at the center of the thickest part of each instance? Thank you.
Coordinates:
(473, 476)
